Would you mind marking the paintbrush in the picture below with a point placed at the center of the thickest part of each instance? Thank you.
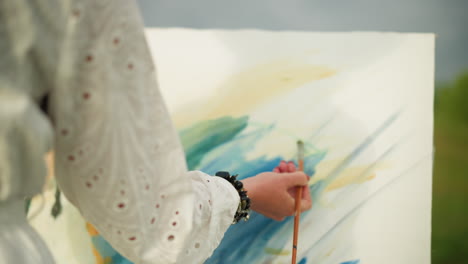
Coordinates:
(297, 216)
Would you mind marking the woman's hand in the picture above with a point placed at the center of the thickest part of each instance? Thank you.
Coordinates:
(273, 193)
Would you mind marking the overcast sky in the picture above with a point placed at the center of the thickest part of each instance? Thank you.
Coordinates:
(447, 18)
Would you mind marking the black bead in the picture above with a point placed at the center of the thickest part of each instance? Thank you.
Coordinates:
(238, 185)
(244, 205)
(223, 174)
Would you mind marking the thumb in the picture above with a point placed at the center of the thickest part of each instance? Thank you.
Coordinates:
(297, 178)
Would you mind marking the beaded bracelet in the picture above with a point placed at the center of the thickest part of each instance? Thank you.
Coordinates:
(243, 209)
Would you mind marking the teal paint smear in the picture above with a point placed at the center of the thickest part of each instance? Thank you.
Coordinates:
(106, 250)
(231, 156)
(199, 139)
(219, 144)
(223, 144)
(303, 261)
(245, 242)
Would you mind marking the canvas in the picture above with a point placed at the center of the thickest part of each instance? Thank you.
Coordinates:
(361, 101)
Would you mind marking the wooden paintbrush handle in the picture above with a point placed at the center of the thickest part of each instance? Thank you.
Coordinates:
(297, 216)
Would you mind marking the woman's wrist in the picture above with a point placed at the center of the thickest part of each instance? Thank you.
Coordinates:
(250, 188)
(243, 209)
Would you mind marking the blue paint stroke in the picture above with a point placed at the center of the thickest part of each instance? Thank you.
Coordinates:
(363, 202)
(357, 261)
(303, 261)
(368, 171)
(252, 237)
(360, 148)
(319, 187)
(321, 128)
(217, 147)
(220, 145)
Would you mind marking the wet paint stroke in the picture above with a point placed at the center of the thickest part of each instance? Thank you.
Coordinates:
(253, 241)
(205, 136)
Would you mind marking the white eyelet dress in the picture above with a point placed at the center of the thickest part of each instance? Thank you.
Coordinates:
(118, 157)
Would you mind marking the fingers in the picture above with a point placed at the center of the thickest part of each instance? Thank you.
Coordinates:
(285, 209)
(293, 179)
(306, 202)
(285, 167)
(306, 192)
(291, 167)
(306, 205)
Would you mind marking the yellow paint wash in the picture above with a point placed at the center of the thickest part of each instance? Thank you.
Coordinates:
(348, 178)
(243, 91)
(277, 252)
(352, 175)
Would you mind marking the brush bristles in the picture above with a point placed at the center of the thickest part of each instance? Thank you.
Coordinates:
(300, 150)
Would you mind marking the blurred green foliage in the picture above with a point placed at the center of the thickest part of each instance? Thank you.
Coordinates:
(450, 185)
(451, 99)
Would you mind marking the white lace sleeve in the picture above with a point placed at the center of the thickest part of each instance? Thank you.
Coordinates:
(118, 157)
